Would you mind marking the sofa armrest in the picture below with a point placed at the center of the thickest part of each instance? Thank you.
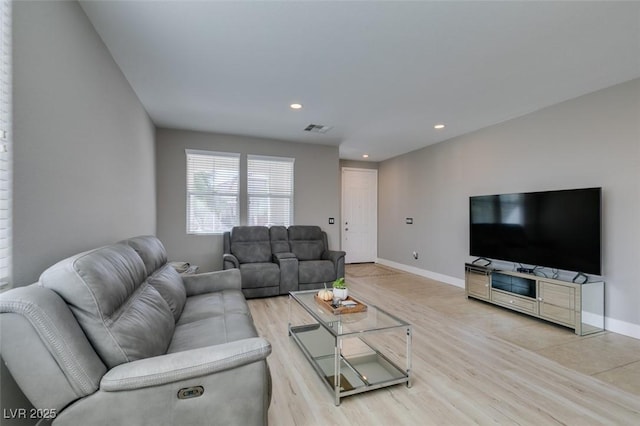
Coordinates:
(229, 261)
(333, 255)
(337, 257)
(234, 376)
(45, 349)
(185, 365)
(212, 281)
(277, 257)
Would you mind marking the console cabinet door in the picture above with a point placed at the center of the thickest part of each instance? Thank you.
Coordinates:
(557, 302)
(477, 284)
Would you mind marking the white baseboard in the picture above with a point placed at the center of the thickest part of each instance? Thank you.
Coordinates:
(622, 327)
(610, 324)
(422, 272)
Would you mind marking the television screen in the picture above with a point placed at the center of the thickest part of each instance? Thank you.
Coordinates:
(555, 229)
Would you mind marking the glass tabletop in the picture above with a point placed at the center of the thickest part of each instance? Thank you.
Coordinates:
(372, 319)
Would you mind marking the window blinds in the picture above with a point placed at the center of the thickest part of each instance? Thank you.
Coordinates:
(5, 143)
(270, 190)
(212, 191)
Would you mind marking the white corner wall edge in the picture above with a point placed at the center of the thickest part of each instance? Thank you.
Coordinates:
(422, 272)
(610, 324)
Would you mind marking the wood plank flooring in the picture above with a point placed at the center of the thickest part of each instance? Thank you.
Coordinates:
(473, 363)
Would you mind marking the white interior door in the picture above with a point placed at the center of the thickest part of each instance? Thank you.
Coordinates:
(359, 214)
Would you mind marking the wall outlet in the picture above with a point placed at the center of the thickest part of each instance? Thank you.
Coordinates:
(415, 255)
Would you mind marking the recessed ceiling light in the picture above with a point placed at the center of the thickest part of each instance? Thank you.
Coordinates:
(365, 155)
(296, 106)
(439, 126)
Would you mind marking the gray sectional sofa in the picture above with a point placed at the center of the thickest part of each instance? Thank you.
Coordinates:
(275, 260)
(115, 336)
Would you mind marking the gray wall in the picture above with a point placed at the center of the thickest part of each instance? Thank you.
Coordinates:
(316, 188)
(593, 140)
(84, 146)
(84, 171)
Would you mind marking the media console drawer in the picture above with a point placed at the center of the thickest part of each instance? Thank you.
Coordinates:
(514, 302)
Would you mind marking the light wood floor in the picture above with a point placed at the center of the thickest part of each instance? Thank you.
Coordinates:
(473, 363)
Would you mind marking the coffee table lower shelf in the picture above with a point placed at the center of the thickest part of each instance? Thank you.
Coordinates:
(365, 370)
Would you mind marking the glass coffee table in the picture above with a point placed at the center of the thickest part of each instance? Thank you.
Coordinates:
(351, 352)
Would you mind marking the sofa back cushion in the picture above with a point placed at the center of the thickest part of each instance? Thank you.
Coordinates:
(162, 276)
(123, 316)
(307, 242)
(279, 239)
(169, 284)
(251, 244)
(150, 250)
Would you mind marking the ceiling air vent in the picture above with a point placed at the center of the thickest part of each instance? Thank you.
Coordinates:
(317, 128)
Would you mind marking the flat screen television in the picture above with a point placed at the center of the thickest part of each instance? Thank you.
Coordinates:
(555, 229)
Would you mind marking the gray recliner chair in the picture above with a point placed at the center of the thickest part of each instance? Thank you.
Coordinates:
(248, 248)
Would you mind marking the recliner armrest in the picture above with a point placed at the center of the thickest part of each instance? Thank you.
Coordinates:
(333, 255)
(337, 257)
(229, 261)
(185, 365)
(212, 281)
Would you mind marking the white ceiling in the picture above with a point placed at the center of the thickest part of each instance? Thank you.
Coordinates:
(380, 73)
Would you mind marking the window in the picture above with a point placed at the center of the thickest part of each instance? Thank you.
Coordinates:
(270, 190)
(5, 143)
(212, 191)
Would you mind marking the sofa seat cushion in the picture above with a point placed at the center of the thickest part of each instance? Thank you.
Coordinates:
(210, 305)
(214, 330)
(316, 271)
(212, 319)
(256, 275)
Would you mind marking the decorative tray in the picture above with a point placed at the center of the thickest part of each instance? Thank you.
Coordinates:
(359, 307)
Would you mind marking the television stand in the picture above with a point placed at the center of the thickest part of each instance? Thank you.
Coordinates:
(579, 306)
